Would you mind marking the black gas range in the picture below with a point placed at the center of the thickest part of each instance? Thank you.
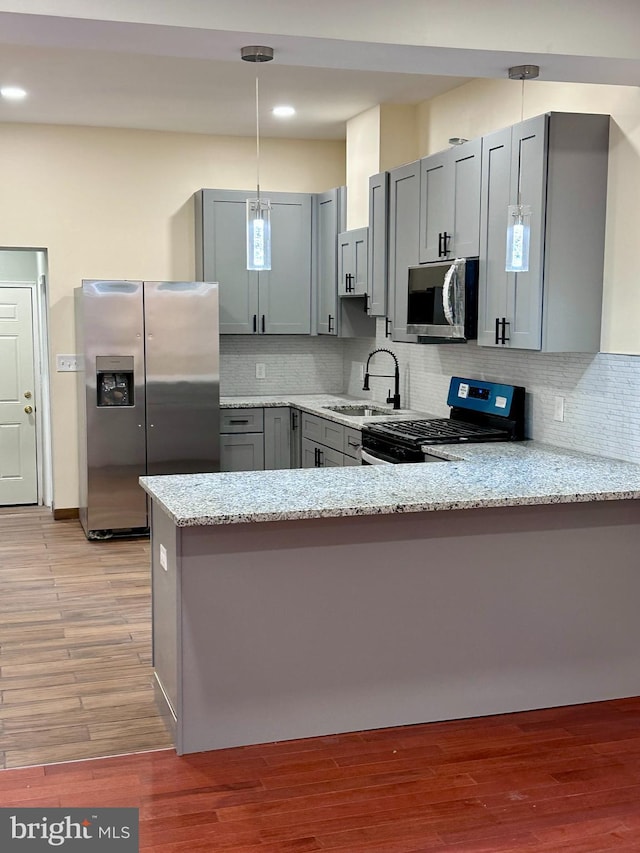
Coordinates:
(480, 411)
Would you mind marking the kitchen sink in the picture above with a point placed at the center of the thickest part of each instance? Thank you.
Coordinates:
(359, 411)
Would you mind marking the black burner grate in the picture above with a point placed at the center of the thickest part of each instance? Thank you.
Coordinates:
(439, 429)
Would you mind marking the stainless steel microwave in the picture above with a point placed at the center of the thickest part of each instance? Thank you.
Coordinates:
(442, 305)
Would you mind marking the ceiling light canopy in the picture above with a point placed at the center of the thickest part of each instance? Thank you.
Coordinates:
(13, 93)
(284, 111)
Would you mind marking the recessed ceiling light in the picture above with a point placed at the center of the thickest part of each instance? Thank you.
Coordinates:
(284, 112)
(13, 93)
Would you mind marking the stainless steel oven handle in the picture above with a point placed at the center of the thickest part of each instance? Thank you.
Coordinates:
(370, 459)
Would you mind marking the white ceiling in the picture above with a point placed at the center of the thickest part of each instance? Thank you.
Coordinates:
(138, 75)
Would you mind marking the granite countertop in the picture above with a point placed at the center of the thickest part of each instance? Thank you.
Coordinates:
(475, 475)
(316, 403)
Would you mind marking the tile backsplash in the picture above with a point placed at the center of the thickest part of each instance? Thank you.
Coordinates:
(292, 364)
(601, 393)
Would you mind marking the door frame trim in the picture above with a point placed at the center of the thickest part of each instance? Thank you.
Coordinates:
(41, 390)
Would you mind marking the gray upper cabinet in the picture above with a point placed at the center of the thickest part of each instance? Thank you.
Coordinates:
(377, 269)
(450, 203)
(327, 219)
(272, 302)
(404, 213)
(556, 164)
(353, 262)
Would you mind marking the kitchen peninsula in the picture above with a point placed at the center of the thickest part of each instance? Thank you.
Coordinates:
(296, 603)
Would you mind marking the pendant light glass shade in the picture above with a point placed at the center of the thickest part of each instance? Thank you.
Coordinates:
(519, 215)
(258, 209)
(518, 235)
(258, 234)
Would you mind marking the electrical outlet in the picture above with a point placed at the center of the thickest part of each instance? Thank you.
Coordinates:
(261, 371)
(67, 363)
(361, 370)
(558, 408)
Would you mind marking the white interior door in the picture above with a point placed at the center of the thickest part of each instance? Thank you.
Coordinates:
(18, 466)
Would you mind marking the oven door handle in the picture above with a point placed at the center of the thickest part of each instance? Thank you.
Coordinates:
(370, 459)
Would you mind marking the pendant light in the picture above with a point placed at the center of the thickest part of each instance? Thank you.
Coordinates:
(519, 215)
(258, 208)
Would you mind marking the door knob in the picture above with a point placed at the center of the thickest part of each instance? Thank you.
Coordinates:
(28, 409)
(27, 395)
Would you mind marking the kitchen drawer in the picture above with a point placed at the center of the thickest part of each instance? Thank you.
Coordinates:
(323, 431)
(241, 420)
(316, 455)
(352, 442)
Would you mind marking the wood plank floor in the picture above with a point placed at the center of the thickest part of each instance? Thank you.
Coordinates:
(75, 683)
(75, 643)
(556, 780)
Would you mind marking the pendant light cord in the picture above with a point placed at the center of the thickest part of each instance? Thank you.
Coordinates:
(257, 139)
(520, 170)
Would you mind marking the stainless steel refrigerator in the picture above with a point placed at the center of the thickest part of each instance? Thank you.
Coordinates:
(148, 393)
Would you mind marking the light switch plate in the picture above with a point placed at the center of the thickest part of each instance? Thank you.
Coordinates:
(558, 409)
(67, 363)
(163, 557)
(261, 371)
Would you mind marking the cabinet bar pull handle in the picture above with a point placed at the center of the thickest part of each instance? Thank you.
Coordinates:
(320, 459)
(294, 419)
(505, 323)
(315, 456)
(497, 331)
(330, 324)
(255, 323)
(445, 243)
(387, 327)
(440, 242)
(238, 420)
(262, 324)
(366, 303)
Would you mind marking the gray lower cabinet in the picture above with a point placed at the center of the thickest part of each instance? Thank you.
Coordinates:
(377, 268)
(557, 165)
(242, 439)
(352, 444)
(242, 452)
(404, 217)
(316, 455)
(295, 416)
(274, 302)
(326, 443)
(450, 203)
(277, 438)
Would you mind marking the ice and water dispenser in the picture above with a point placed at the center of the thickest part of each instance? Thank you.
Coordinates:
(114, 380)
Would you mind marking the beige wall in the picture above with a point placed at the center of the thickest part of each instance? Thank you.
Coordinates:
(486, 105)
(117, 204)
(363, 160)
(380, 138)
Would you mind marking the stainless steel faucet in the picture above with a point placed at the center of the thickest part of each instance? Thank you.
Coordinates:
(395, 398)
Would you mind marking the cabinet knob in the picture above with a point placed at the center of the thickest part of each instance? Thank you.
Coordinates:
(27, 395)
(28, 409)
